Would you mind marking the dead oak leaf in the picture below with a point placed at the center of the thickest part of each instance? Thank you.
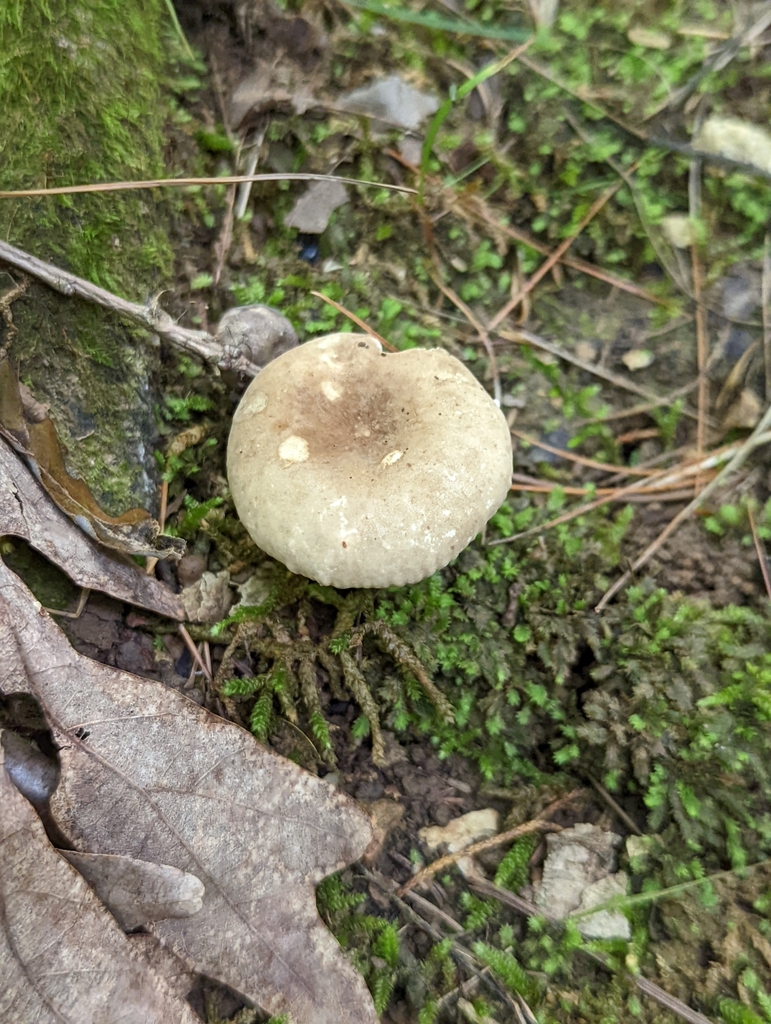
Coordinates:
(138, 891)
(27, 511)
(63, 959)
(148, 774)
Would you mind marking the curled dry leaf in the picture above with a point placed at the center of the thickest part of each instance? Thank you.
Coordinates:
(32, 772)
(27, 511)
(138, 891)
(63, 960)
(35, 438)
(147, 773)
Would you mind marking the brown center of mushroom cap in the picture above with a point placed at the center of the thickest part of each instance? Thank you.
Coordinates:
(340, 414)
(362, 469)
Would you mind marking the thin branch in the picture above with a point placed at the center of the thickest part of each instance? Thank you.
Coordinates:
(581, 459)
(648, 988)
(194, 652)
(561, 249)
(538, 824)
(671, 1003)
(760, 552)
(484, 336)
(666, 479)
(197, 343)
(616, 807)
(575, 264)
(225, 238)
(702, 356)
(766, 313)
(758, 437)
(522, 337)
(702, 350)
(356, 319)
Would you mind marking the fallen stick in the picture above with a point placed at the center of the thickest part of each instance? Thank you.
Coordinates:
(648, 485)
(540, 823)
(152, 317)
(758, 437)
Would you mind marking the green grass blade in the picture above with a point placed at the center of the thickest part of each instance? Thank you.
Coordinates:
(432, 20)
(458, 94)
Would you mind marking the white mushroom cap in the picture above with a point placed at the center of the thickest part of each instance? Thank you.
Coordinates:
(361, 469)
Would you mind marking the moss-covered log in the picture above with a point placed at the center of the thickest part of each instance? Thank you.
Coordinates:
(82, 101)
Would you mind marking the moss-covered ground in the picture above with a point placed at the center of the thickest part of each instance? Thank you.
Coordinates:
(661, 702)
(659, 708)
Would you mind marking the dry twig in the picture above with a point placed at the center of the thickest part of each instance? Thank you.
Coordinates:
(581, 459)
(197, 343)
(356, 319)
(616, 807)
(760, 552)
(561, 249)
(758, 437)
(225, 179)
(662, 481)
(766, 313)
(575, 264)
(702, 353)
(484, 336)
(522, 337)
(190, 644)
(538, 824)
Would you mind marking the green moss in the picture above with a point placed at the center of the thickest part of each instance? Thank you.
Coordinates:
(666, 698)
(48, 583)
(80, 91)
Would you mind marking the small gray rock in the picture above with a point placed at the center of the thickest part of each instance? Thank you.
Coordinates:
(256, 333)
(578, 875)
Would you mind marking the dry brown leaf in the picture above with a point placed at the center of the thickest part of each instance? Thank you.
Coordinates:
(133, 533)
(63, 960)
(138, 891)
(32, 772)
(163, 962)
(27, 511)
(312, 210)
(147, 773)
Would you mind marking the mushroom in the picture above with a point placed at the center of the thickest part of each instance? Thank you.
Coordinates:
(359, 468)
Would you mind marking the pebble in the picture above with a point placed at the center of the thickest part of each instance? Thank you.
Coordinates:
(190, 569)
(441, 814)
